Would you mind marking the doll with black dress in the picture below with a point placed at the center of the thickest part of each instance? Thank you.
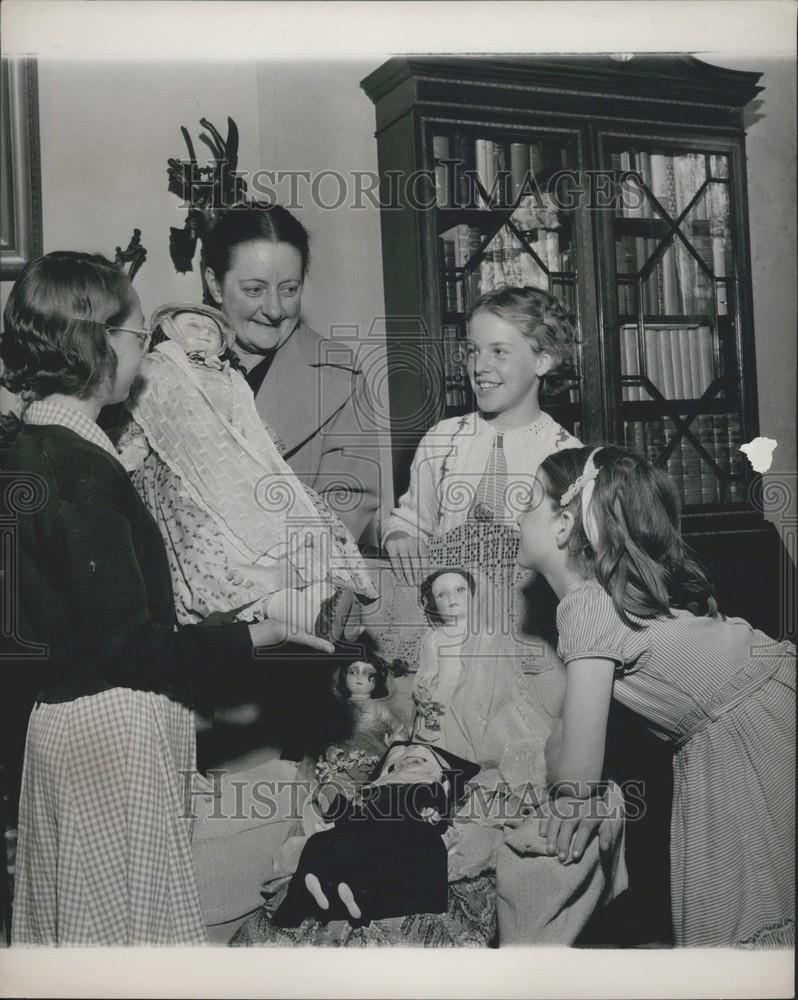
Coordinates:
(403, 814)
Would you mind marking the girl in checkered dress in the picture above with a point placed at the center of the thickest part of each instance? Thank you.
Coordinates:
(104, 852)
(638, 621)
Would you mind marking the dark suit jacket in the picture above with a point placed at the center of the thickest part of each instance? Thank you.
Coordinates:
(314, 399)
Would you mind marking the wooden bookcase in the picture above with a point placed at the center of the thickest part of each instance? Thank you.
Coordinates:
(620, 185)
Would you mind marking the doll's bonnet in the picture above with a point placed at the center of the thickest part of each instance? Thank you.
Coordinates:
(171, 309)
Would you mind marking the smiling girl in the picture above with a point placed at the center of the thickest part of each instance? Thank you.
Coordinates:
(476, 467)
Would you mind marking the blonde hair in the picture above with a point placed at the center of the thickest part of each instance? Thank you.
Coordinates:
(543, 320)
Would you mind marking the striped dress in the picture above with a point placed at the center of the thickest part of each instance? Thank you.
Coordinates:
(723, 694)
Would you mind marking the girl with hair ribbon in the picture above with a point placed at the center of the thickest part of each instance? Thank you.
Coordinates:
(638, 622)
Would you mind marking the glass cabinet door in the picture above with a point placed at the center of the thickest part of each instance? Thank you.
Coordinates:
(500, 220)
(676, 285)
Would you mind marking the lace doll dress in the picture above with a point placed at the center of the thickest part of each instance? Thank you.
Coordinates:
(212, 476)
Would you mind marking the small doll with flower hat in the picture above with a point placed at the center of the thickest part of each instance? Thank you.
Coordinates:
(243, 534)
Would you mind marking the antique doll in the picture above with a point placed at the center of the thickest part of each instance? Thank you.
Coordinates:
(243, 534)
(369, 725)
(446, 596)
(383, 852)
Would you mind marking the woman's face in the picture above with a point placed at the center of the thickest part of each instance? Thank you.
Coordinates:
(128, 342)
(261, 293)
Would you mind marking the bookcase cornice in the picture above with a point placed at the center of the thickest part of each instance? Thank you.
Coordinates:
(703, 91)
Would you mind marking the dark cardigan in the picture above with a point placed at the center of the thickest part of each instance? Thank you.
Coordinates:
(94, 583)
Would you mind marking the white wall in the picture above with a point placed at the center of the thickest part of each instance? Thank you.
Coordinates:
(771, 148)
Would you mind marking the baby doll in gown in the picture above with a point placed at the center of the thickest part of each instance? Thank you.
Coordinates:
(243, 534)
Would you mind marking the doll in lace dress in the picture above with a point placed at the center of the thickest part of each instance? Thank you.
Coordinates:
(243, 534)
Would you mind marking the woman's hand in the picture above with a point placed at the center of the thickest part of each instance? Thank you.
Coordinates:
(274, 633)
(406, 554)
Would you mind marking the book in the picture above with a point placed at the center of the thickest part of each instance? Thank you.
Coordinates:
(719, 268)
(709, 480)
(672, 339)
(440, 152)
(454, 376)
(655, 440)
(737, 481)
(630, 363)
(653, 366)
(519, 169)
(446, 245)
(501, 179)
(667, 385)
(481, 154)
(685, 335)
(691, 472)
(673, 463)
(635, 435)
(490, 172)
(693, 353)
(720, 452)
(706, 359)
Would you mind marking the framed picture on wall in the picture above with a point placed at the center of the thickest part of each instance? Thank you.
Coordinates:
(20, 190)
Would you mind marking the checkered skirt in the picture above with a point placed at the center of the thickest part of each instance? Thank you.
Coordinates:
(104, 846)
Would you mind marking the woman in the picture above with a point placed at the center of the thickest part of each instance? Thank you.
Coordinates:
(104, 843)
(314, 401)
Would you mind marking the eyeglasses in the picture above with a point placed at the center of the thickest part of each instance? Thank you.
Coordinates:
(143, 335)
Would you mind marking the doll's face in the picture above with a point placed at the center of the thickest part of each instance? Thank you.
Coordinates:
(195, 333)
(414, 764)
(361, 678)
(452, 595)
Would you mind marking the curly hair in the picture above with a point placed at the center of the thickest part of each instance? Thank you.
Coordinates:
(543, 320)
(56, 321)
(637, 554)
(426, 597)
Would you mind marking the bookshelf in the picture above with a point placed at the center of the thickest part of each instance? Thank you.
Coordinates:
(620, 185)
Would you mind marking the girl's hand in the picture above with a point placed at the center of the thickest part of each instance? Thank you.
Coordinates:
(406, 554)
(569, 824)
(274, 633)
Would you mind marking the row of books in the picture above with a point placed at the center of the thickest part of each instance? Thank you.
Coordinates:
(680, 361)
(505, 262)
(719, 434)
(506, 171)
(678, 284)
